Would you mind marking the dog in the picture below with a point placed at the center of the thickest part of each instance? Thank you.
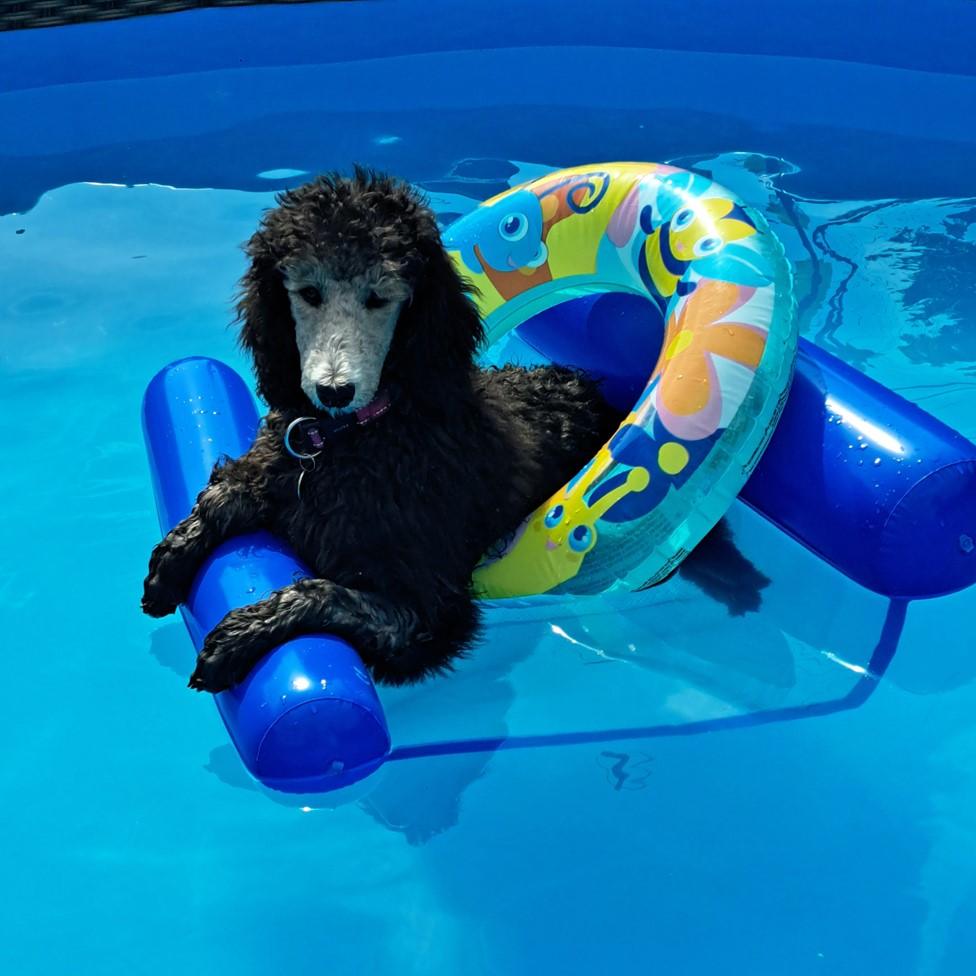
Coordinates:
(355, 317)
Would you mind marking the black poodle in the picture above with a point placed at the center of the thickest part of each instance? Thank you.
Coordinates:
(356, 317)
(358, 322)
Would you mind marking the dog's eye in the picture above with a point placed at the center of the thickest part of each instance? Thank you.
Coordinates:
(311, 296)
(375, 301)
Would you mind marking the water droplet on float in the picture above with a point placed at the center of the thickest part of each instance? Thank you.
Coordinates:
(862, 446)
(966, 543)
(877, 461)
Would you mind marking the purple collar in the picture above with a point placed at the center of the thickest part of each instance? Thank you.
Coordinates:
(308, 436)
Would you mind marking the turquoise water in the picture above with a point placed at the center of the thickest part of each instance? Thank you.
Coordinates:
(836, 834)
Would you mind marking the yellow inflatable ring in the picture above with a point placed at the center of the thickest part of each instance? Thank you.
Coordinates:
(688, 445)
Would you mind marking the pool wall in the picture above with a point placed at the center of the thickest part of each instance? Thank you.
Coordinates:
(111, 102)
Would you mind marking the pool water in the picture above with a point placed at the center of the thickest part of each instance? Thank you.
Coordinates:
(645, 786)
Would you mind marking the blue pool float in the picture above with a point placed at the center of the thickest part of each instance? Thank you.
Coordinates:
(871, 483)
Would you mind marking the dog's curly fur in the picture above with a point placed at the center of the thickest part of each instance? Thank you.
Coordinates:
(396, 518)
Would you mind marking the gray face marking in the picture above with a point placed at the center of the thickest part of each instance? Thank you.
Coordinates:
(341, 340)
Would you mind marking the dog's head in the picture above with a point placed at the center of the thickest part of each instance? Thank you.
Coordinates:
(349, 289)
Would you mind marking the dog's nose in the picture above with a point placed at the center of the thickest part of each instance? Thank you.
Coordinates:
(335, 396)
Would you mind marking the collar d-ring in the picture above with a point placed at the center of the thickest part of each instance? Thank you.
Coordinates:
(293, 451)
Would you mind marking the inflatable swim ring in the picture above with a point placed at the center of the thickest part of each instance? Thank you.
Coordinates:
(721, 283)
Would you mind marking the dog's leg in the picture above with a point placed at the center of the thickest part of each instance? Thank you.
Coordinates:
(395, 642)
(718, 569)
(226, 507)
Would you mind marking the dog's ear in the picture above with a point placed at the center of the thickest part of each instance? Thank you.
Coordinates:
(267, 328)
(439, 330)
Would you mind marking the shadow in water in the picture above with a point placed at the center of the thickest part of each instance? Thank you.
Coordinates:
(423, 800)
(878, 664)
(418, 802)
(171, 647)
(694, 648)
(688, 661)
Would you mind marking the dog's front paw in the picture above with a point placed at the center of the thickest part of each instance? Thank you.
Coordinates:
(158, 598)
(167, 584)
(230, 651)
